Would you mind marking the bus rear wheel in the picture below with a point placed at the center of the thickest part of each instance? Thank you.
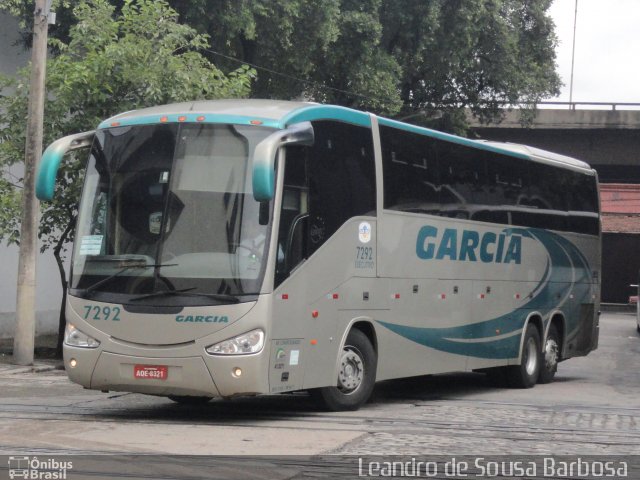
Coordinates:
(551, 356)
(525, 375)
(356, 375)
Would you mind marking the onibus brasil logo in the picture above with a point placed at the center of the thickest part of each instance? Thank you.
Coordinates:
(37, 469)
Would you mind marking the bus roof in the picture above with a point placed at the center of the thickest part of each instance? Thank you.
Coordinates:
(539, 154)
(269, 113)
(280, 114)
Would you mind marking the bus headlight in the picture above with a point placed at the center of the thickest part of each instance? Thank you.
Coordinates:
(250, 342)
(75, 338)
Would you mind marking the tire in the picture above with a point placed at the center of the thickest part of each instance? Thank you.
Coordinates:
(356, 377)
(526, 374)
(186, 400)
(550, 356)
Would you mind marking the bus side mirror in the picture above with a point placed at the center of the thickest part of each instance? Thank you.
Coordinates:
(264, 157)
(51, 158)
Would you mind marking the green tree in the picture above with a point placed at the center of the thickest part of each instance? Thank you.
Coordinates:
(477, 54)
(328, 51)
(113, 62)
(393, 57)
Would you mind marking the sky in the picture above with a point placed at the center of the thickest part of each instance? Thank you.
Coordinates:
(607, 53)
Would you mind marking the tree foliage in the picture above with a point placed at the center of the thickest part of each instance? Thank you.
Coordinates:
(112, 62)
(393, 57)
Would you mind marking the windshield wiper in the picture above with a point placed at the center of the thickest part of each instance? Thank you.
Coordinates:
(92, 287)
(188, 293)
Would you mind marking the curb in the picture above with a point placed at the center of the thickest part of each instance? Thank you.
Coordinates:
(7, 368)
(618, 308)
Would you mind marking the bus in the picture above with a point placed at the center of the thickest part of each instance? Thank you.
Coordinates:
(247, 247)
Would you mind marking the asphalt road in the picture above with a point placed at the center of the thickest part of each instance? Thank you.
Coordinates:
(593, 408)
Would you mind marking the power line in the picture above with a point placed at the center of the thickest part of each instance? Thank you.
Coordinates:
(286, 75)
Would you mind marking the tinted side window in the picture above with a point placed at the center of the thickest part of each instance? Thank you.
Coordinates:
(409, 166)
(294, 213)
(462, 179)
(583, 203)
(427, 175)
(507, 180)
(341, 173)
(547, 199)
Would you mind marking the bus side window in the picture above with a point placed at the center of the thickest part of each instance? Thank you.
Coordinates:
(341, 173)
(462, 179)
(324, 186)
(292, 238)
(409, 168)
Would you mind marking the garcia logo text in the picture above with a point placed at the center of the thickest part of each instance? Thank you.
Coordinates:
(468, 246)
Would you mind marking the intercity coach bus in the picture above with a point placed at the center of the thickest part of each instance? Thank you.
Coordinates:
(246, 247)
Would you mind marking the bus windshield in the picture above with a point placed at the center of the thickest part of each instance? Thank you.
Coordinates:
(167, 216)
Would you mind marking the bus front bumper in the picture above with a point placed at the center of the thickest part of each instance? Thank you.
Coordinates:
(204, 376)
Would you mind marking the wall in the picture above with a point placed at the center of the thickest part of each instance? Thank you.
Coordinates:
(620, 266)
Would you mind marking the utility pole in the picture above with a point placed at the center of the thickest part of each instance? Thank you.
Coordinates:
(573, 55)
(24, 338)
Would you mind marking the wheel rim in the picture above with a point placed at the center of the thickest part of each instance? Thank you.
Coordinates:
(551, 354)
(531, 357)
(351, 371)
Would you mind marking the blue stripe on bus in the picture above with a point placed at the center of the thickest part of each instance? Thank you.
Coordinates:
(567, 273)
(314, 113)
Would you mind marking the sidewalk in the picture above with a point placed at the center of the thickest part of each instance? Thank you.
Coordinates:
(44, 357)
(39, 366)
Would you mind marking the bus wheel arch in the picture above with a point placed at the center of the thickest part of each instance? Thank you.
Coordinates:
(552, 348)
(368, 329)
(356, 370)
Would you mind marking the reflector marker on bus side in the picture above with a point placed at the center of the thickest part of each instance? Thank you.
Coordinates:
(442, 296)
(285, 296)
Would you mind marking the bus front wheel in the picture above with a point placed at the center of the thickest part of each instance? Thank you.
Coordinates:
(356, 375)
(525, 374)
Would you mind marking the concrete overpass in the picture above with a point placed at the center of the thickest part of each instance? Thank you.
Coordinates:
(609, 140)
